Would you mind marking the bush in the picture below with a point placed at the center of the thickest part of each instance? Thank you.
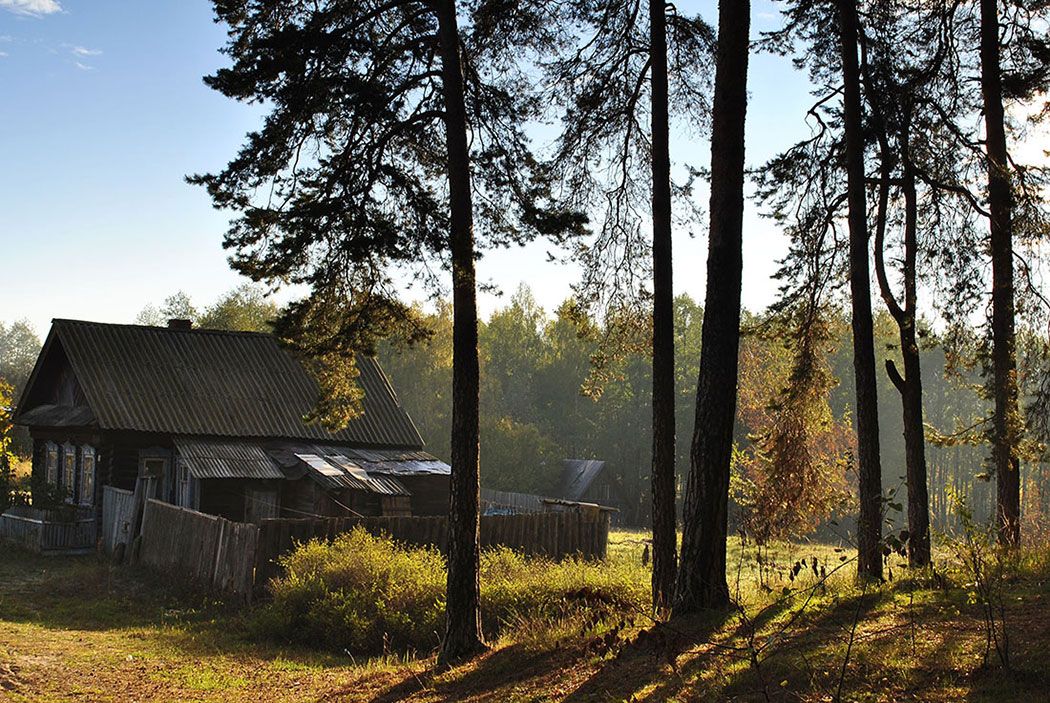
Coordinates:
(370, 594)
(516, 589)
(360, 593)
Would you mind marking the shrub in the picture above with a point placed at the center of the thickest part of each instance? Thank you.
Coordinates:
(360, 593)
(516, 589)
(370, 594)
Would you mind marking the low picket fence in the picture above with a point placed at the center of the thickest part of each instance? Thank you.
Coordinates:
(49, 531)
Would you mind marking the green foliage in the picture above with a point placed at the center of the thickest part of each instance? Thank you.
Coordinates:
(243, 309)
(177, 306)
(19, 347)
(48, 496)
(370, 594)
(422, 373)
(7, 483)
(359, 593)
(347, 177)
(984, 564)
(519, 457)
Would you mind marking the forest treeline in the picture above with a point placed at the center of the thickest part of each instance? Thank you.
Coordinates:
(545, 400)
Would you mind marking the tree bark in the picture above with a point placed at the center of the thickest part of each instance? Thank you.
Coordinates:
(869, 522)
(702, 571)
(463, 635)
(910, 385)
(663, 473)
(911, 394)
(1006, 416)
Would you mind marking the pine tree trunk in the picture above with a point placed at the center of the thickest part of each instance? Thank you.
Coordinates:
(1006, 416)
(463, 614)
(702, 570)
(910, 385)
(869, 522)
(663, 474)
(911, 389)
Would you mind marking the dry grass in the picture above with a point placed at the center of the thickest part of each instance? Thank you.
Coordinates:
(22, 468)
(76, 628)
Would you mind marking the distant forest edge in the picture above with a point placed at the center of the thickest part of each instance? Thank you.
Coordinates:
(554, 386)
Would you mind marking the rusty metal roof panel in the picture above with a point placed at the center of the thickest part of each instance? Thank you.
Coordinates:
(338, 467)
(226, 459)
(216, 383)
(409, 463)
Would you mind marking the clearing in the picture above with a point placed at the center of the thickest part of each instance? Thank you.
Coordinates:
(77, 628)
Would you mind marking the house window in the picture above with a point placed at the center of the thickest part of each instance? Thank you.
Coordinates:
(51, 463)
(183, 486)
(87, 475)
(69, 471)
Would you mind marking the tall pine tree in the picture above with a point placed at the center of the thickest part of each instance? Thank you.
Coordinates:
(364, 163)
(702, 570)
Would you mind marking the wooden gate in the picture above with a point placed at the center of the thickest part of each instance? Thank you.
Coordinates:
(117, 507)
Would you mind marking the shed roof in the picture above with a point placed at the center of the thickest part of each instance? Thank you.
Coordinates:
(577, 475)
(211, 383)
(337, 467)
(225, 459)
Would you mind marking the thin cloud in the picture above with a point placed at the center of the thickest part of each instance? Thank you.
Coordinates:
(3, 53)
(31, 8)
(83, 67)
(81, 51)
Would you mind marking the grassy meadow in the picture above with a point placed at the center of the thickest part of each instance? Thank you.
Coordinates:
(78, 628)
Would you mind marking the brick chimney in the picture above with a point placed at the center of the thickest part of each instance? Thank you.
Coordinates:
(177, 324)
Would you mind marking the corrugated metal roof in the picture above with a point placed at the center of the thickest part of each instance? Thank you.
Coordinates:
(334, 468)
(405, 463)
(577, 475)
(224, 459)
(214, 383)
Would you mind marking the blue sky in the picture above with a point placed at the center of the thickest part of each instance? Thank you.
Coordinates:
(103, 113)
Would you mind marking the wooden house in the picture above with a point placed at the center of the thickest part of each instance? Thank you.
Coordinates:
(213, 421)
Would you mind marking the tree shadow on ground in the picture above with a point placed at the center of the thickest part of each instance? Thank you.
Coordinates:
(495, 675)
(718, 655)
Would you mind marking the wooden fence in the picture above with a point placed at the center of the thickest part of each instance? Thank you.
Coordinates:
(117, 505)
(554, 535)
(499, 501)
(206, 549)
(237, 558)
(47, 531)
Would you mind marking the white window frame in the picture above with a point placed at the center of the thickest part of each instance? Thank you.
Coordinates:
(51, 463)
(88, 462)
(69, 472)
(183, 485)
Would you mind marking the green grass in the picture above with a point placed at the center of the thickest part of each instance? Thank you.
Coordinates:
(79, 628)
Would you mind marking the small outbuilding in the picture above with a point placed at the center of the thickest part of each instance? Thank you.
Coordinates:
(590, 481)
